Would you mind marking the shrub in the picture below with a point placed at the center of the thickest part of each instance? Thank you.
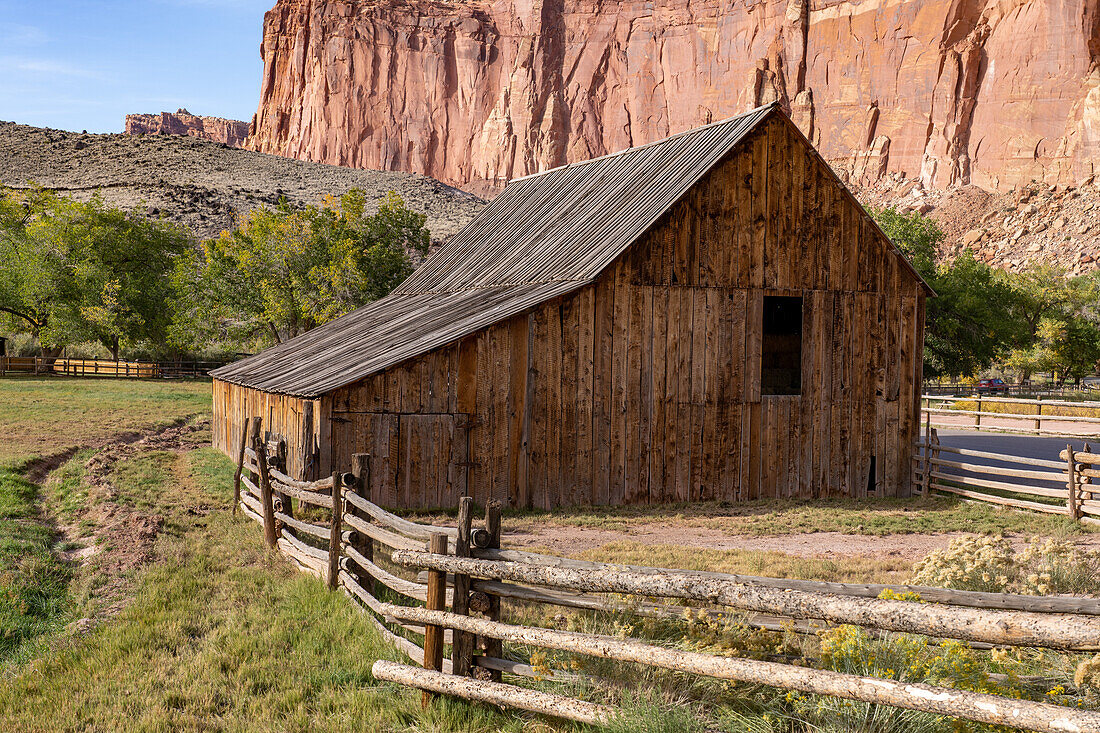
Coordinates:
(990, 564)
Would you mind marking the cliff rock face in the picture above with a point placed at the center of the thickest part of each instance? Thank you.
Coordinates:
(182, 122)
(989, 92)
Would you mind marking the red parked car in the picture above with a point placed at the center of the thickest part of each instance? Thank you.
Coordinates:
(992, 386)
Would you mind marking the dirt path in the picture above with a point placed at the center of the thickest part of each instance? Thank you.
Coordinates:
(113, 539)
(573, 540)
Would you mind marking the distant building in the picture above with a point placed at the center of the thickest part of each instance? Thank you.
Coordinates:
(711, 316)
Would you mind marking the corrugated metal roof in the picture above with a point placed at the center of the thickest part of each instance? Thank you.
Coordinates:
(569, 223)
(379, 335)
(545, 235)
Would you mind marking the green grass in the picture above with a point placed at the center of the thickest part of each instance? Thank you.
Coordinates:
(221, 635)
(40, 416)
(33, 595)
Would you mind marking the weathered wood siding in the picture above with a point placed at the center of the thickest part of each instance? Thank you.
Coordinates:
(645, 386)
(283, 416)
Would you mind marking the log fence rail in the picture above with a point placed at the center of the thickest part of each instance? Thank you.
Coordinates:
(462, 577)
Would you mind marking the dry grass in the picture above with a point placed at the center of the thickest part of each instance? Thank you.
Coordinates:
(1010, 408)
(753, 562)
(40, 416)
(875, 517)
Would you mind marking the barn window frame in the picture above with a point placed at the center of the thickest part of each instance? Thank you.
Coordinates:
(781, 345)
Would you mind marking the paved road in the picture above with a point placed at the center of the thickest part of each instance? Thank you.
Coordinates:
(1021, 446)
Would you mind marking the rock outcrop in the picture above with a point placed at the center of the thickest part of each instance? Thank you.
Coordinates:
(181, 122)
(993, 93)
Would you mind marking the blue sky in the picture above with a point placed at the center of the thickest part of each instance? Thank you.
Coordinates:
(85, 64)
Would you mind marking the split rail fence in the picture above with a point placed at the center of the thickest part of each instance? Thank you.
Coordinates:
(1068, 486)
(462, 578)
(942, 412)
(66, 367)
(962, 390)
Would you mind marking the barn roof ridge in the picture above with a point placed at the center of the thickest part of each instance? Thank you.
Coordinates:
(574, 164)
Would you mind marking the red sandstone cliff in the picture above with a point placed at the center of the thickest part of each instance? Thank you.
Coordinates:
(182, 122)
(993, 92)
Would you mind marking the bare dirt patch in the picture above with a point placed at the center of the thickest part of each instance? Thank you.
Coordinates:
(121, 538)
(566, 540)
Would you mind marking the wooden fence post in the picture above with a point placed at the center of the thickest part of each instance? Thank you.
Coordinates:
(1086, 493)
(334, 530)
(1071, 484)
(360, 466)
(462, 644)
(933, 452)
(926, 473)
(493, 647)
(240, 464)
(265, 485)
(280, 463)
(253, 431)
(1039, 414)
(437, 601)
(978, 413)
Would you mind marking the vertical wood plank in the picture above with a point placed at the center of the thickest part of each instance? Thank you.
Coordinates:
(658, 395)
(585, 396)
(603, 396)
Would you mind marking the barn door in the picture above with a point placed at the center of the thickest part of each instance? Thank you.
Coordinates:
(433, 460)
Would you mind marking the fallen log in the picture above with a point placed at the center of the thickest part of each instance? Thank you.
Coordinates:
(1007, 628)
(497, 693)
(979, 707)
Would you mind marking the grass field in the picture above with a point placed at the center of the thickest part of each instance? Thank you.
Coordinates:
(43, 415)
(212, 632)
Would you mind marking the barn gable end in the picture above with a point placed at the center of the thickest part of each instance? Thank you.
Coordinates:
(641, 383)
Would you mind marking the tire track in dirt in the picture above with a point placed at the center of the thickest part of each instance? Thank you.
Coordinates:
(121, 537)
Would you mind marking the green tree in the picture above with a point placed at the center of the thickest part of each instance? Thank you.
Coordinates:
(75, 271)
(1069, 348)
(916, 235)
(283, 271)
(968, 324)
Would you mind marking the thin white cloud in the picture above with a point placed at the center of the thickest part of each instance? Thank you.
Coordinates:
(47, 67)
(18, 34)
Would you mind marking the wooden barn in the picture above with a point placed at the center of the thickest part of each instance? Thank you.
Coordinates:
(711, 316)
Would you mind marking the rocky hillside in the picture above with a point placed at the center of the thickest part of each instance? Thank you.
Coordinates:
(182, 122)
(1054, 224)
(992, 93)
(203, 184)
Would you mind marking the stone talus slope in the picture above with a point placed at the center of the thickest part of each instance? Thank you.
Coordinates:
(182, 122)
(995, 93)
(203, 184)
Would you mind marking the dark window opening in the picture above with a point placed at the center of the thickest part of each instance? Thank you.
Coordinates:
(781, 352)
